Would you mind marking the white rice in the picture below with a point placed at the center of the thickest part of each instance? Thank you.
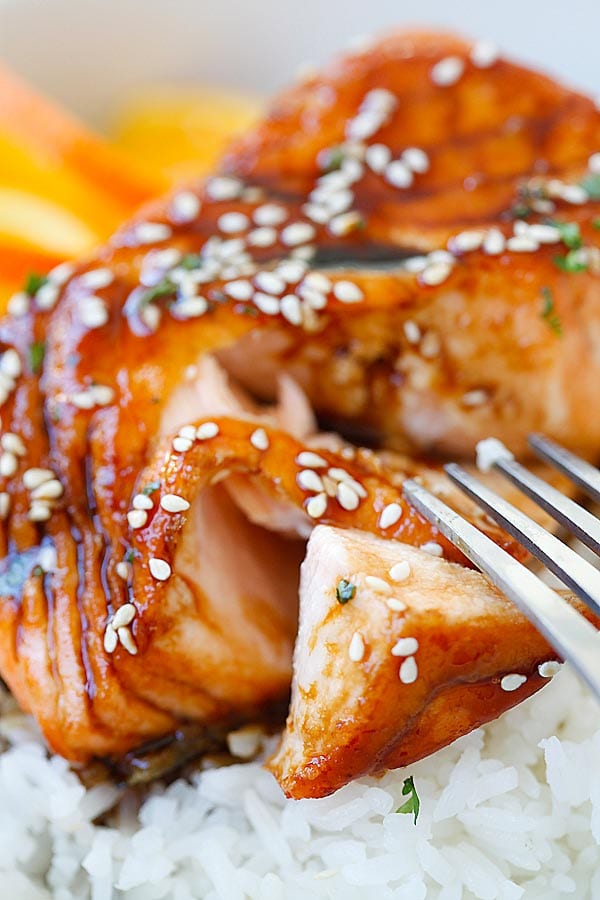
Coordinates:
(510, 811)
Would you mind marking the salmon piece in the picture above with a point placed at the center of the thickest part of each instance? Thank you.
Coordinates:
(421, 653)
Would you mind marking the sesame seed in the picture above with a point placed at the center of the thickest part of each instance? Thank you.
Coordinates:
(409, 672)
(82, 399)
(270, 214)
(549, 669)
(475, 397)
(415, 264)
(151, 316)
(447, 71)
(111, 639)
(8, 464)
(356, 650)
(206, 431)
(412, 332)
(137, 518)
(441, 256)
(262, 237)
(190, 308)
(398, 174)
(47, 296)
(380, 98)
(347, 497)
(395, 605)
(152, 232)
(102, 394)
(574, 193)
(390, 514)
(185, 206)
(308, 480)
(49, 490)
(240, 289)
(309, 460)
(173, 503)
(96, 279)
(522, 244)
(291, 270)
(33, 477)
(466, 241)
(483, 54)
(269, 282)
(187, 431)
(304, 253)
(291, 309)
(594, 165)
(61, 273)
(430, 345)
(405, 647)
(416, 159)
(260, 439)
(400, 571)
(181, 445)
(93, 312)
(377, 157)
(47, 558)
(345, 224)
(347, 292)
(142, 501)
(313, 299)
(266, 304)
(233, 222)
(432, 548)
(159, 568)
(317, 506)
(494, 242)
(223, 188)
(124, 570)
(4, 504)
(512, 682)
(10, 363)
(378, 585)
(365, 124)
(13, 443)
(19, 304)
(297, 233)
(124, 615)
(39, 511)
(126, 640)
(316, 281)
(545, 234)
(435, 273)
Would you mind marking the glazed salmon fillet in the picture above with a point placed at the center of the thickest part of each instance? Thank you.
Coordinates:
(405, 250)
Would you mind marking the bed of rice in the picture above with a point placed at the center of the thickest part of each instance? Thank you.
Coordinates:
(512, 810)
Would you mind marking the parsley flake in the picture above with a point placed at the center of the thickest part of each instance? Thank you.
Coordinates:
(190, 261)
(37, 571)
(549, 312)
(129, 556)
(34, 282)
(334, 159)
(591, 184)
(572, 262)
(345, 591)
(163, 289)
(569, 232)
(413, 804)
(596, 223)
(150, 488)
(37, 351)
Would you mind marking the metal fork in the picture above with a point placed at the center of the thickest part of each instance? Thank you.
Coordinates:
(571, 635)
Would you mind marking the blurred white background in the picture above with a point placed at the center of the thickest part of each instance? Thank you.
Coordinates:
(86, 51)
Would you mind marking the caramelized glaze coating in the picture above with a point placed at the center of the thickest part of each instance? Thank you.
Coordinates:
(116, 625)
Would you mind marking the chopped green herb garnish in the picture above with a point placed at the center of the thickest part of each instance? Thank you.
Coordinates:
(549, 313)
(572, 262)
(247, 310)
(163, 289)
(34, 283)
(520, 211)
(37, 571)
(413, 804)
(37, 351)
(591, 184)
(334, 159)
(150, 488)
(596, 223)
(345, 591)
(130, 556)
(190, 261)
(570, 234)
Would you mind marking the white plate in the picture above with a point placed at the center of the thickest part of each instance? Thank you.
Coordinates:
(86, 51)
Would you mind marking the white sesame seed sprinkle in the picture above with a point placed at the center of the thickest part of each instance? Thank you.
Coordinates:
(317, 506)
(416, 159)
(549, 669)
(49, 490)
(395, 604)
(378, 585)
(124, 570)
(447, 71)
(159, 568)
(269, 282)
(185, 206)
(270, 214)
(308, 480)
(430, 345)
(356, 650)
(33, 477)
(39, 511)
(347, 292)
(173, 503)
(47, 558)
(522, 244)
(61, 273)
(347, 497)
(8, 464)
(241, 289)
(126, 639)
(4, 504)
(93, 312)
(47, 296)
(435, 273)
(189, 308)
(414, 264)
(291, 270)
(124, 615)
(260, 439)
(409, 672)
(223, 188)
(390, 515)
(494, 242)
(262, 237)
(96, 279)
(346, 223)
(398, 174)
(316, 281)
(313, 299)
(181, 445)
(432, 548)
(400, 571)
(377, 157)
(13, 443)
(574, 193)
(111, 639)
(10, 363)
(309, 460)
(365, 124)
(291, 309)
(544, 234)
(142, 501)
(19, 304)
(406, 646)
(151, 316)
(512, 682)
(152, 232)
(594, 163)
(266, 303)
(412, 332)
(466, 241)
(137, 518)
(206, 431)
(233, 222)
(484, 54)
(297, 233)
(476, 397)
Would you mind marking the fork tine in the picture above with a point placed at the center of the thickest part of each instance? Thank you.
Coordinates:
(582, 473)
(572, 569)
(572, 636)
(575, 518)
